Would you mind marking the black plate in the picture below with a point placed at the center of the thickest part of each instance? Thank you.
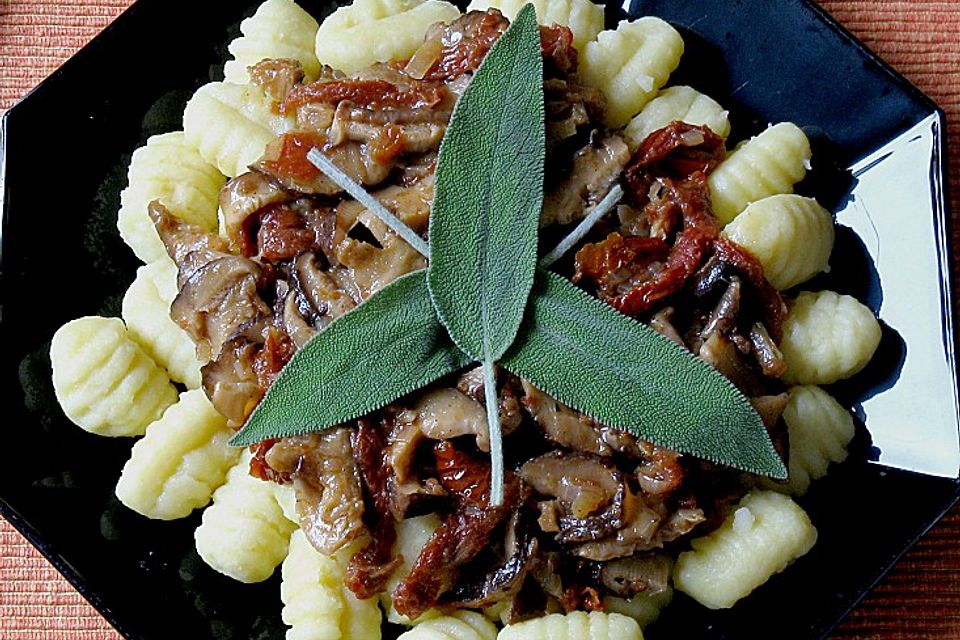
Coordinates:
(66, 149)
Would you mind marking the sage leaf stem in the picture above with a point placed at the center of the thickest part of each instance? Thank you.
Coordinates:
(598, 211)
(362, 196)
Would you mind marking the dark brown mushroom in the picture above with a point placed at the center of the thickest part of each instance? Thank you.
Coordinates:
(595, 499)
(327, 482)
(217, 300)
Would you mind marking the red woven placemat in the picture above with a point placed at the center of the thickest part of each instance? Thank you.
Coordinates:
(920, 599)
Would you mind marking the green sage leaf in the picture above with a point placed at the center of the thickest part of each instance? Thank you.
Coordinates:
(387, 347)
(624, 374)
(489, 191)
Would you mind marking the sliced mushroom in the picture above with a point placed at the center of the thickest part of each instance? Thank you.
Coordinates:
(637, 534)
(511, 412)
(320, 289)
(563, 425)
(723, 318)
(594, 497)
(722, 354)
(770, 408)
(218, 299)
(768, 354)
(662, 323)
(327, 484)
(594, 170)
(240, 198)
(446, 413)
(231, 382)
(276, 76)
(188, 245)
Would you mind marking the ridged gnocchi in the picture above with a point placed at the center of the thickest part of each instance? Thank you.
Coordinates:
(171, 170)
(576, 625)
(460, 625)
(765, 533)
(630, 64)
(827, 337)
(765, 165)
(790, 235)
(412, 536)
(181, 460)
(104, 381)
(584, 18)
(147, 313)
(244, 533)
(645, 607)
(352, 37)
(278, 29)
(678, 103)
(231, 124)
(820, 430)
(311, 591)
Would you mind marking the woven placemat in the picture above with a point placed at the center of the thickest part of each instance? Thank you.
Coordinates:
(918, 37)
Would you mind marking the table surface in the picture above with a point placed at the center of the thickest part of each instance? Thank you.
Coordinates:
(920, 38)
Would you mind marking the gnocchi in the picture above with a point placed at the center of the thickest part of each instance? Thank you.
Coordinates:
(181, 460)
(460, 625)
(169, 169)
(766, 532)
(104, 381)
(231, 124)
(244, 533)
(630, 64)
(677, 103)
(584, 18)
(790, 235)
(352, 37)
(827, 337)
(278, 29)
(147, 313)
(820, 430)
(766, 165)
(595, 625)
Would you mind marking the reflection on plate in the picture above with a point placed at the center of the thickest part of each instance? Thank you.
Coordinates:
(66, 150)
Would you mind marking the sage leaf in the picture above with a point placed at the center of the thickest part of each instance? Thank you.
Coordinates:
(387, 347)
(622, 373)
(488, 195)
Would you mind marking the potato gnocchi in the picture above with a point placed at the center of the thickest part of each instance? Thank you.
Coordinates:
(278, 29)
(645, 607)
(765, 533)
(576, 625)
(820, 430)
(231, 124)
(352, 37)
(147, 313)
(181, 460)
(460, 625)
(678, 103)
(244, 533)
(766, 165)
(584, 18)
(168, 169)
(630, 64)
(104, 381)
(827, 337)
(790, 235)
(311, 591)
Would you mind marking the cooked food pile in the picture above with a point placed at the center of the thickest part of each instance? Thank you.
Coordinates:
(593, 518)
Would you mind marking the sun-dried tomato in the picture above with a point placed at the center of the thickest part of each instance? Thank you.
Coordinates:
(258, 463)
(283, 234)
(370, 94)
(599, 261)
(275, 354)
(288, 155)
